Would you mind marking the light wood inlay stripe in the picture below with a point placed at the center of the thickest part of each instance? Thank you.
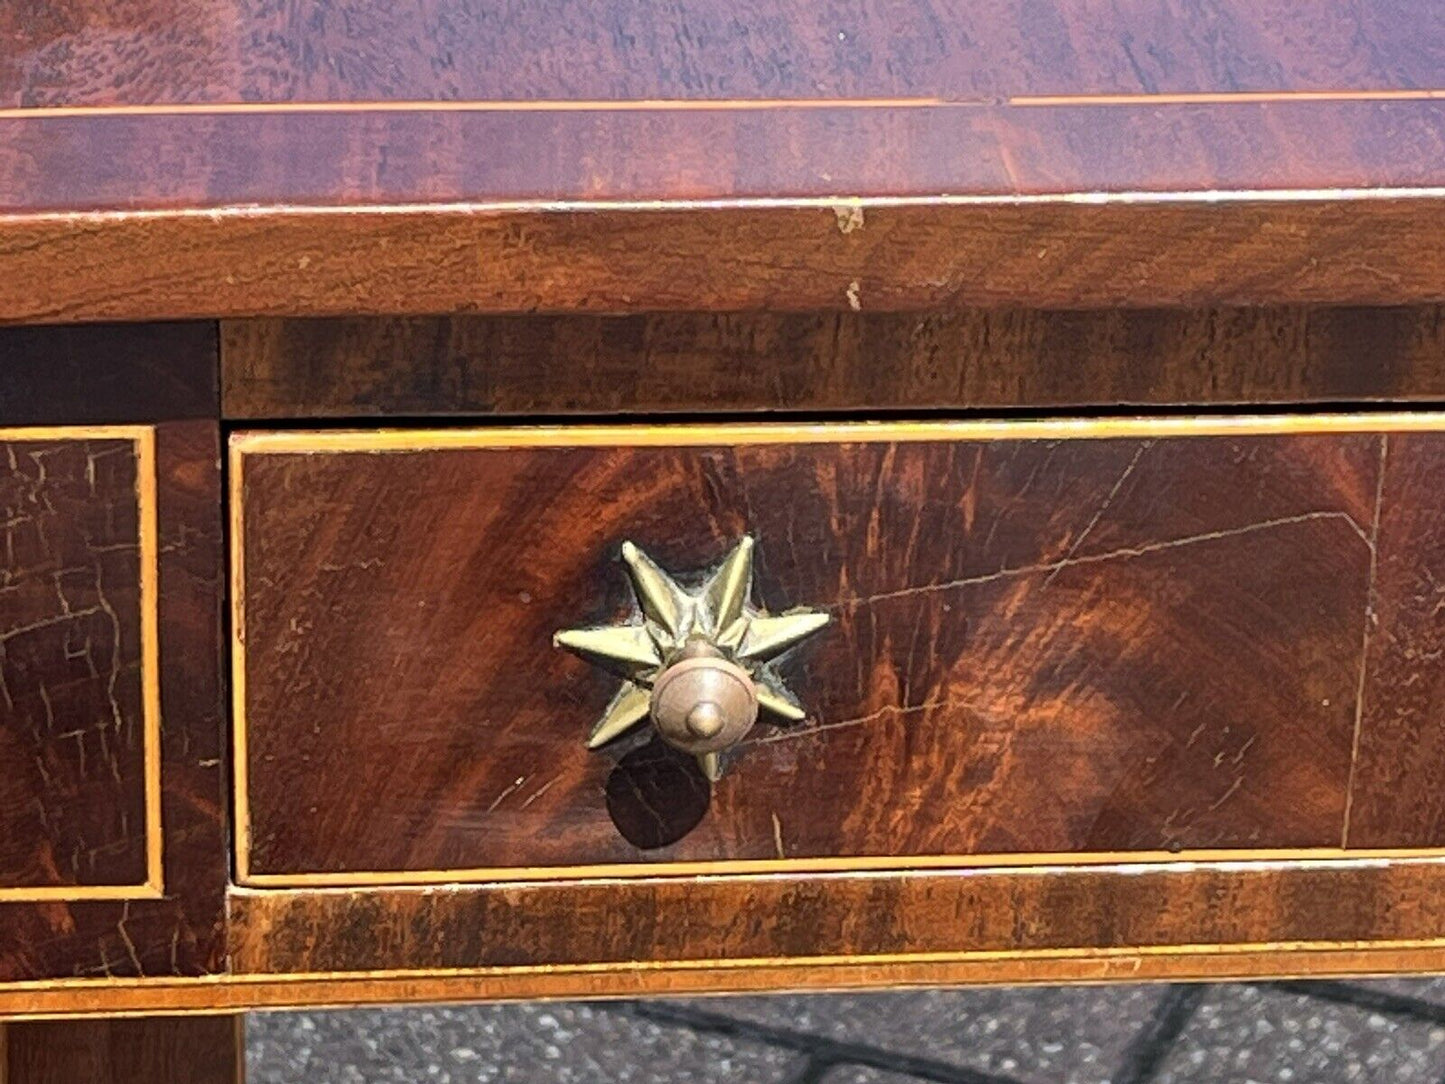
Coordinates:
(712, 105)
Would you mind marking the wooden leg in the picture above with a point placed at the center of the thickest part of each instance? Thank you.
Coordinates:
(152, 1050)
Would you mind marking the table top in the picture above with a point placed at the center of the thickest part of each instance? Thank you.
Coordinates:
(155, 104)
(423, 108)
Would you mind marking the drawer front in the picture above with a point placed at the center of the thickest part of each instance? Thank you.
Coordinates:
(1049, 643)
(79, 693)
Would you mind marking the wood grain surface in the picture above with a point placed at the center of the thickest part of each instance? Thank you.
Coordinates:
(147, 52)
(180, 933)
(346, 989)
(132, 125)
(74, 740)
(158, 1050)
(862, 918)
(1402, 745)
(1134, 644)
(361, 158)
(1039, 646)
(700, 362)
(1332, 248)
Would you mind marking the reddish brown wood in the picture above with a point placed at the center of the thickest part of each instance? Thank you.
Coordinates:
(689, 104)
(1402, 745)
(1052, 254)
(488, 156)
(72, 758)
(1119, 645)
(176, 1050)
(144, 51)
(1038, 647)
(821, 922)
(328, 990)
(699, 362)
(182, 933)
(717, 934)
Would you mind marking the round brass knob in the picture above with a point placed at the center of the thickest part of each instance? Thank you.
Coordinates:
(704, 704)
(694, 662)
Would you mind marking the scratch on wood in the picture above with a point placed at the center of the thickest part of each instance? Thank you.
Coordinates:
(1243, 749)
(891, 709)
(500, 798)
(1228, 794)
(1103, 508)
(543, 789)
(363, 565)
(49, 622)
(1369, 624)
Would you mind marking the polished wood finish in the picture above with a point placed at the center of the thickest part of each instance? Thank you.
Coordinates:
(698, 362)
(180, 933)
(65, 53)
(241, 160)
(158, 1050)
(1147, 705)
(237, 992)
(1402, 747)
(878, 918)
(1094, 645)
(715, 934)
(526, 157)
(1049, 253)
(77, 737)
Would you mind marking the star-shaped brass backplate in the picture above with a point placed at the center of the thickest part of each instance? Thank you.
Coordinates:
(697, 663)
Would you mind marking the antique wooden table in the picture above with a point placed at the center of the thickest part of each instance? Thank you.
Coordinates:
(966, 470)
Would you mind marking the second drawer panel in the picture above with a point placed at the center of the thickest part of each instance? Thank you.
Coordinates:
(1047, 641)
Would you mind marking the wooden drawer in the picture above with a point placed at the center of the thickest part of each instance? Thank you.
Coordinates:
(1051, 643)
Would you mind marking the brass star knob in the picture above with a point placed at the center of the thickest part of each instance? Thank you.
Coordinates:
(696, 663)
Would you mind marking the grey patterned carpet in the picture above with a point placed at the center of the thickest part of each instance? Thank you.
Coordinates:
(1309, 1033)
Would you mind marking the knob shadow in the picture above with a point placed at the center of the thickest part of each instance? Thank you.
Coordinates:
(656, 795)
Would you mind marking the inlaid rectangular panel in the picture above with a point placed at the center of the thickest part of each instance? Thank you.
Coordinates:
(79, 689)
(113, 845)
(1050, 643)
(72, 778)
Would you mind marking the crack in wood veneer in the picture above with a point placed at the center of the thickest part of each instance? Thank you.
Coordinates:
(1369, 624)
(1103, 508)
(1123, 553)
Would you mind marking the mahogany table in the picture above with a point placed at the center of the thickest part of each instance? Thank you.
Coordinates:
(509, 500)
